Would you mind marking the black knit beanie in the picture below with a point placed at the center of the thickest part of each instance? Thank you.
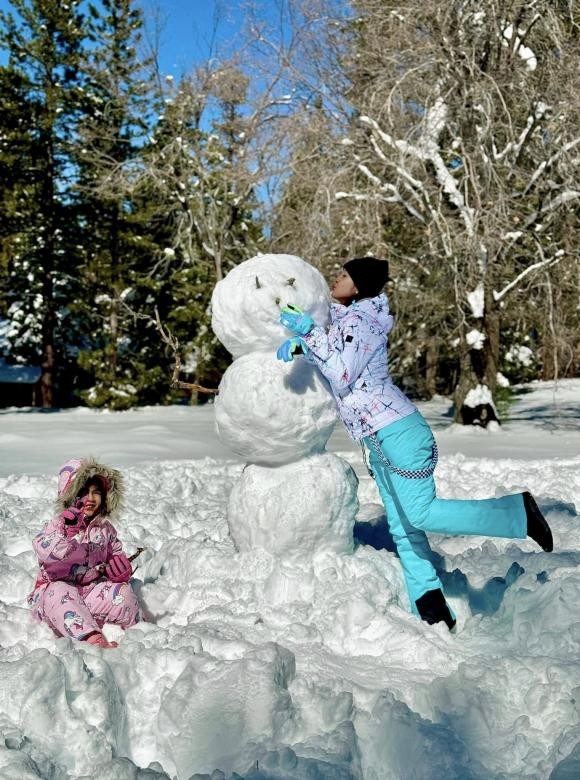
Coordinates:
(369, 275)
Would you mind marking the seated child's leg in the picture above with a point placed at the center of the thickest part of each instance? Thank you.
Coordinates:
(113, 602)
(64, 610)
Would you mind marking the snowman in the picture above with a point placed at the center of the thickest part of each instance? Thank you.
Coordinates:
(293, 498)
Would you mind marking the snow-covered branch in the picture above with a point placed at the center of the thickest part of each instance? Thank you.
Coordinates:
(414, 186)
(427, 149)
(395, 197)
(517, 146)
(370, 176)
(545, 165)
(549, 261)
(552, 205)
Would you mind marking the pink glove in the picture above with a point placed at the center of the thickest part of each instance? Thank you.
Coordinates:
(118, 569)
(73, 520)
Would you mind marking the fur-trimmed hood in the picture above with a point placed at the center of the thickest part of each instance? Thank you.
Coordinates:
(74, 474)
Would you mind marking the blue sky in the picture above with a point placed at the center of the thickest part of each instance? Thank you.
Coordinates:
(187, 34)
(187, 29)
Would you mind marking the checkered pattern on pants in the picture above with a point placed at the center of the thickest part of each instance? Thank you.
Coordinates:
(419, 474)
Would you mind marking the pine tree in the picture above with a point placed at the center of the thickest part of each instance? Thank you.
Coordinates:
(41, 85)
(15, 121)
(118, 256)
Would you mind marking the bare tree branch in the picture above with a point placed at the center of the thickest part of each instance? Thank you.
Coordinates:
(546, 262)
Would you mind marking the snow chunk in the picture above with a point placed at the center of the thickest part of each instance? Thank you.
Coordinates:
(512, 236)
(476, 301)
(246, 304)
(297, 508)
(271, 412)
(477, 396)
(520, 355)
(475, 338)
(246, 699)
(525, 53)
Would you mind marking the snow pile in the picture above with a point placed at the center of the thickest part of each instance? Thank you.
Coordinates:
(303, 660)
(520, 355)
(524, 52)
(475, 338)
(476, 300)
(480, 394)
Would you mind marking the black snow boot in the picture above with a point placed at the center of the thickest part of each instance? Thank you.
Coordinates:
(538, 528)
(433, 608)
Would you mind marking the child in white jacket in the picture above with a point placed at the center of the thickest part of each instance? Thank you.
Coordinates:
(352, 355)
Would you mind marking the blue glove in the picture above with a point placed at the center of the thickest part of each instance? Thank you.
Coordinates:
(296, 320)
(291, 347)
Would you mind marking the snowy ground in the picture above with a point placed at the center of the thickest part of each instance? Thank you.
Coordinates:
(308, 666)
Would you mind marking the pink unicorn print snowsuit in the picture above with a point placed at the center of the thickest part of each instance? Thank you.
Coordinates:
(80, 585)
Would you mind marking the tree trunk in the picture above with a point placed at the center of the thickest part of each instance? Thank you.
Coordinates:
(431, 366)
(480, 366)
(218, 265)
(48, 319)
(491, 329)
(47, 376)
(114, 337)
(114, 292)
(467, 381)
(47, 359)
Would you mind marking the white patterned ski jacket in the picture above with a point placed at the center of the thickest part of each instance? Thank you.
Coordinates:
(352, 355)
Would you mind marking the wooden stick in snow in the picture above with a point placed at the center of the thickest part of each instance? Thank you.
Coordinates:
(173, 342)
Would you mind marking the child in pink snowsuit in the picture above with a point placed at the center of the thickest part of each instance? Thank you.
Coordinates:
(84, 574)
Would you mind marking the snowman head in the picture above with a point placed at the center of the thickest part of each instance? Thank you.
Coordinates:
(246, 304)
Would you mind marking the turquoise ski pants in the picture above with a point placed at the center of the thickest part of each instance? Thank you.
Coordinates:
(413, 507)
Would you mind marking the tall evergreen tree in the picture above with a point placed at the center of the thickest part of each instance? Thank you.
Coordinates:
(117, 253)
(41, 85)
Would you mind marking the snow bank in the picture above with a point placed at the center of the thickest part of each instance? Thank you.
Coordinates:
(302, 664)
